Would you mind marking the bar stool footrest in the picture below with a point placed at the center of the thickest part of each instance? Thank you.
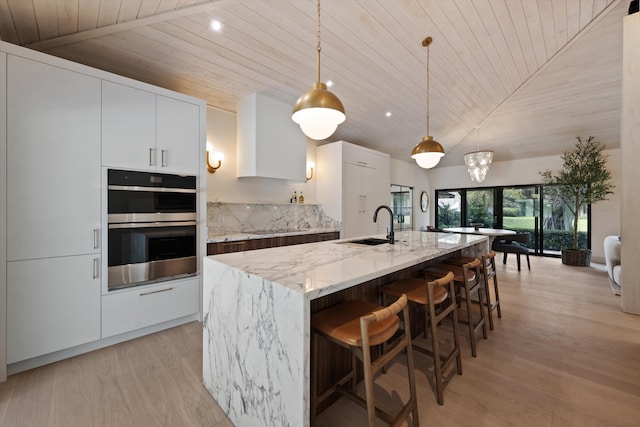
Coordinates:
(445, 360)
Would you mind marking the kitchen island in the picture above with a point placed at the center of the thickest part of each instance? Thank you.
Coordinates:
(257, 309)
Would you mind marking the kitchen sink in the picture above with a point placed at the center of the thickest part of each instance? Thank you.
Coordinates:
(370, 241)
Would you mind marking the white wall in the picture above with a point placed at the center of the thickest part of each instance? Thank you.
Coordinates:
(224, 186)
(409, 174)
(605, 215)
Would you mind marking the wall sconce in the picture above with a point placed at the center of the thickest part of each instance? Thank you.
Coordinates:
(218, 157)
(310, 166)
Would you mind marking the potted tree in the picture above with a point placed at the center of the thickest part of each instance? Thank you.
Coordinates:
(583, 180)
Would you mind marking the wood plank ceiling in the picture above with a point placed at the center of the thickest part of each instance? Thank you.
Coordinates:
(531, 74)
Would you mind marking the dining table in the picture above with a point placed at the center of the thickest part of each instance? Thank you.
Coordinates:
(491, 232)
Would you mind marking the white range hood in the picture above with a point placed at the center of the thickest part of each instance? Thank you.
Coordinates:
(270, 144)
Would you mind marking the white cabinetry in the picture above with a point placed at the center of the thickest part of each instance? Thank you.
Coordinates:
(128, 127)
(62, 124)
(269, 143)
(140, 307)
(177, 135)
(145, 131)
(53, 208)
(53, 304)
(352, 182)
(53, 171)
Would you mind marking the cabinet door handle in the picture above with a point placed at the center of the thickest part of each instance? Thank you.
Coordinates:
(362, 163)
(96, 268)
(152, 156)
(96, 238)
(155, 292)
(164, 158)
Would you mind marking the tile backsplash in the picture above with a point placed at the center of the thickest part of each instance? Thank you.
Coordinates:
(227, 218)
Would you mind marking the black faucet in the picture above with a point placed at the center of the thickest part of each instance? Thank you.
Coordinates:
(375, 217)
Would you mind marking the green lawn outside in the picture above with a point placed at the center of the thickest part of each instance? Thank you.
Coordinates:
(528, 223)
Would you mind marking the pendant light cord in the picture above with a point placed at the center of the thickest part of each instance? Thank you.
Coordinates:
(318, 47)
(427, 42)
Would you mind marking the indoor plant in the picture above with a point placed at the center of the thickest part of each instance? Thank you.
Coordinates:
(583, 180)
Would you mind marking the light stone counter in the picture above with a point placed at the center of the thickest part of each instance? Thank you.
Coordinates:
(256, 307)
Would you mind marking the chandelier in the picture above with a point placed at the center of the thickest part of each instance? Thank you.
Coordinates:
(318, 111)
(478, 162)
(428, 152)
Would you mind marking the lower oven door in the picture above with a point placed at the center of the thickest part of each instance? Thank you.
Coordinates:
(142, 253)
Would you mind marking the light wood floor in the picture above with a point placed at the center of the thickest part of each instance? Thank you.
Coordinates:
(563, 354)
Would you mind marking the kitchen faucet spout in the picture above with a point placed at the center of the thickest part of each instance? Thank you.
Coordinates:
(390, 236)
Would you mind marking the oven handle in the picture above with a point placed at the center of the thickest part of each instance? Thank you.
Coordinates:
(152, 189)
(152, 224)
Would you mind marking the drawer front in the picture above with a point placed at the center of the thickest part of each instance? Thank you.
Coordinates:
(142, 307)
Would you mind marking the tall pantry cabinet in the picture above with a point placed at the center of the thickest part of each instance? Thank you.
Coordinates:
(53, 203)
(352, 182)
(53, 212)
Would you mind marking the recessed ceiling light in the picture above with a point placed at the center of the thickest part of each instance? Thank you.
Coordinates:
(215, 25)
(329, 83)
(388, 114)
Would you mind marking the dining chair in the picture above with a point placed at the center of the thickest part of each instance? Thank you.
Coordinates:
(514, 244)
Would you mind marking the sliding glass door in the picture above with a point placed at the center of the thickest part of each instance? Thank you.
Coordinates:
(557, 225)
(521, 212)
(449, 209)
(481, 208)
(531, 209)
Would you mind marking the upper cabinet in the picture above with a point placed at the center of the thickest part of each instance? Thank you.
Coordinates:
(53, 167)
(270, 144)
(178, 133)
(128, 127)
(141, 130)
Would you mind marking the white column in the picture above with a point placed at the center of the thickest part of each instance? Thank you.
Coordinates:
(630, 147)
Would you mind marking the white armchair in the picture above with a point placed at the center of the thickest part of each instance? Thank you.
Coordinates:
(612, 246)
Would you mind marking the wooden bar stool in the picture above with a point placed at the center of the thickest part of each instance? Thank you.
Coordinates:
(467, 278)
(488, 269)
(489, 272)
(427, 295)
(358, 325)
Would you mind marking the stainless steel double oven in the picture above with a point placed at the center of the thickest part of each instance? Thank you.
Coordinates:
(152, 223)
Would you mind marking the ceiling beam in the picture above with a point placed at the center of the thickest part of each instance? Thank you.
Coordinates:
(124, 26)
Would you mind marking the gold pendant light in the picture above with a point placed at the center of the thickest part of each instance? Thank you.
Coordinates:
(429, 151)
(318, 111)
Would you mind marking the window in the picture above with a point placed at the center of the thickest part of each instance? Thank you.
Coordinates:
(448, 209)
(402, 206)
(481, 207)
(523, 208)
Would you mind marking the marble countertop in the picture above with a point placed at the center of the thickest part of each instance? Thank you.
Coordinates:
(236, 236)
(321, 268)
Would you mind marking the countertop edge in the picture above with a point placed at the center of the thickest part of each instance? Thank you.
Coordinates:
(251, 236)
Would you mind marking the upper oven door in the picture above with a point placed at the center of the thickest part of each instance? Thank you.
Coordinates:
(144, 196)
